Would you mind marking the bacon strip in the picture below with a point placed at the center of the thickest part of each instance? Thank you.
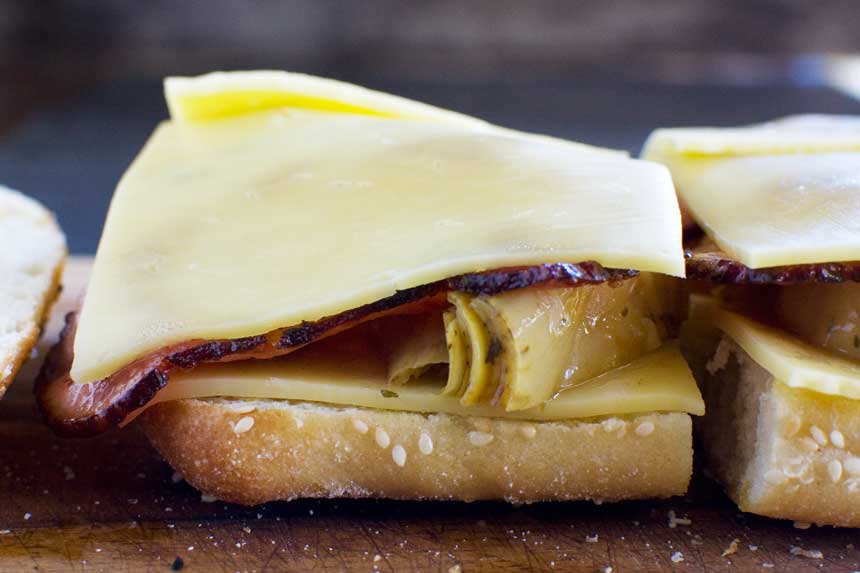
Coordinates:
(706, 262)
(80, 410)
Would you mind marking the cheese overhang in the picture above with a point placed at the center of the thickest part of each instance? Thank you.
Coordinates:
(790, 360)
(240, 226)
(350, 374)
(781, 193)
(794, 134)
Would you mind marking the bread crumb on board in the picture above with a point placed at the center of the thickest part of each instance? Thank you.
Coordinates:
(808, 553)
(731, 549)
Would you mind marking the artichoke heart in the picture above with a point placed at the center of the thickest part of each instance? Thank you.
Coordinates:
(519, 348)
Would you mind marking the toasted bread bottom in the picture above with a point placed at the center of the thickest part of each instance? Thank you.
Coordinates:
(253, 451)
(779, 451)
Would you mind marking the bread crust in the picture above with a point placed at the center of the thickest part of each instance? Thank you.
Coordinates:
(309, 450)
(781, 452)
(32, 259)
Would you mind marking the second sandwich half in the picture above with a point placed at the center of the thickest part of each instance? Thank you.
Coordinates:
(344, 293)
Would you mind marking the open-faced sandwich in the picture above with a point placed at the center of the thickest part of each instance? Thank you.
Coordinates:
(774, 334)
(305, 288)
(32, 253)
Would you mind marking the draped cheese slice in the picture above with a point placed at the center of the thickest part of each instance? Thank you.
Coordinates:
(790, 360)
(781, 193)
(659, 381)
(218, 95)
(794, 134)
(237, 227)
(225, 94)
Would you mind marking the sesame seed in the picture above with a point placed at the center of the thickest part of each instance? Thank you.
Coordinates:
(243, 425)
(455, 569)
(299, 423)
(852, 465)
(795, 467)
(802, 525)
(612, 425)
(425, 444)
(837, 439)
(594, 538)
(677, 557)
(645, 429)
(818, 435)
(243, 409)
(399, 455)
(528, 431)
(382, 439)
(360, 426)
(834, 468)
(480, 438)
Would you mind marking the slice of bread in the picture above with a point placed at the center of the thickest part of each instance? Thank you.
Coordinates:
(252, 451)
(781, 452)
(32, 253)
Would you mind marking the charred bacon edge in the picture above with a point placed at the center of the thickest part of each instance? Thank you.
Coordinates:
(138, 383)
(718, 268)
(705, 261)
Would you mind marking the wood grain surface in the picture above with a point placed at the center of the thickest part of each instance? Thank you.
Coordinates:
(110, 504)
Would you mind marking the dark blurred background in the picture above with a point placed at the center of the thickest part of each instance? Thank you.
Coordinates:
(80, 79)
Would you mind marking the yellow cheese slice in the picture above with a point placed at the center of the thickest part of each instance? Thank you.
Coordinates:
(240, 226)
(794, 134)
(658, 381)
(791, 361)
(225, 94)
(780, 193)
(219, 95)
(767, 211)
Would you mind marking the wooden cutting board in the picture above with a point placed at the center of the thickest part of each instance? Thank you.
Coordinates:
(111, 504)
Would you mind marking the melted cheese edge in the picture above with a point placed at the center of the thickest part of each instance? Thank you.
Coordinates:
(781, 193)
(659, 381)
(240, 226)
